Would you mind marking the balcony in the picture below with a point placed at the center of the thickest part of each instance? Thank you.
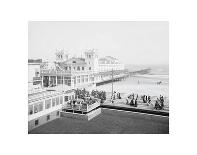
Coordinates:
(80, 106)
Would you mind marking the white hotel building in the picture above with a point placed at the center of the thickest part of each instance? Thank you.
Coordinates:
(79, 72)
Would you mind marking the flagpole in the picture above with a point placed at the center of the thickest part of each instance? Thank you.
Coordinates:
(112, 82)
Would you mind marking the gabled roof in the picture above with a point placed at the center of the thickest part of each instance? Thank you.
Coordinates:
(51, 66)
(75, 61)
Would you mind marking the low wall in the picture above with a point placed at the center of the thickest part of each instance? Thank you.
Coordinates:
(73, 115)
(155, 112)
(42, 120)
(93, 113)
(87, 116)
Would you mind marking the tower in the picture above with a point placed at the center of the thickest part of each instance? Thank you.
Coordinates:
(91, 59)
(60, 55)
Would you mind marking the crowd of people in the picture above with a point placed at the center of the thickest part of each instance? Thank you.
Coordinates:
(81, 93)
(132, 100)
(115, 95)
(146, 99)
(159, 103)
(99, 94)
(89, 96)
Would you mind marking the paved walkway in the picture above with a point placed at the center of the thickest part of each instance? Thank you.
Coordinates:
(141, 105)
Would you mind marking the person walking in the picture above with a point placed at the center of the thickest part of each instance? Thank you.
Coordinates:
(135, 102)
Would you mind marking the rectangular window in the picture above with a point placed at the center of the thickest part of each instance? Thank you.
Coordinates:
(65, 98)
(59, 80)
(61, 99)
(78, 79)
(47, 104)
(53, 102)
(36, 122)
(40, 106)
(82, 78)
(82, 68)
(70, 98)
(57, 114)
(30, 109)
(35, 108)
(57, 100)
(69, 83)
(86, 78)
(48, 117)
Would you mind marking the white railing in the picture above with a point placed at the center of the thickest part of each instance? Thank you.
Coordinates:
(81, 107)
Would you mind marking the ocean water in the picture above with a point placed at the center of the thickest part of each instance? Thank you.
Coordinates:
(155, 69)
(143, 84)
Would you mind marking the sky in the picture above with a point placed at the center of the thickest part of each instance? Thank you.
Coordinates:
(136, 42)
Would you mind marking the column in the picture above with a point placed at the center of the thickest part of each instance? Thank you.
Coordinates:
(63, 80)
(49, 80)
(41, 81)
(56, 80)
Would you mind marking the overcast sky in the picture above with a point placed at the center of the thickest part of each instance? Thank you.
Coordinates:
(130, 42)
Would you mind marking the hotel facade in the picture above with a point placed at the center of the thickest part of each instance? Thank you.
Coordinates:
(79, 72)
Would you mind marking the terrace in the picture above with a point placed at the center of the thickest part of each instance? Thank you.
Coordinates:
(81, 106)
(108, 122)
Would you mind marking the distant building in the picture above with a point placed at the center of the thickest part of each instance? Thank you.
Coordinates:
(108, 63)
(34, 79)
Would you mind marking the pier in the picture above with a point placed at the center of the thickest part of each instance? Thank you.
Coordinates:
(119, 76)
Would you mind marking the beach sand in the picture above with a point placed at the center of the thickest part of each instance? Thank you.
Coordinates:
(141, 85)
(147, 85)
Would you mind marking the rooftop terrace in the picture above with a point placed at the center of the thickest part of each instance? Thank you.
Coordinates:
(108, 122)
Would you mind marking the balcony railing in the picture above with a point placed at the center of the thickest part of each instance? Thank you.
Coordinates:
(60, 73)
(79, 106)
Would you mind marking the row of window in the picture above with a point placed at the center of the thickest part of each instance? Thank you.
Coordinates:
(68, 98)
(78, 68)
(84, 79)
(48, 117)
(37, 107)
(60, 80)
